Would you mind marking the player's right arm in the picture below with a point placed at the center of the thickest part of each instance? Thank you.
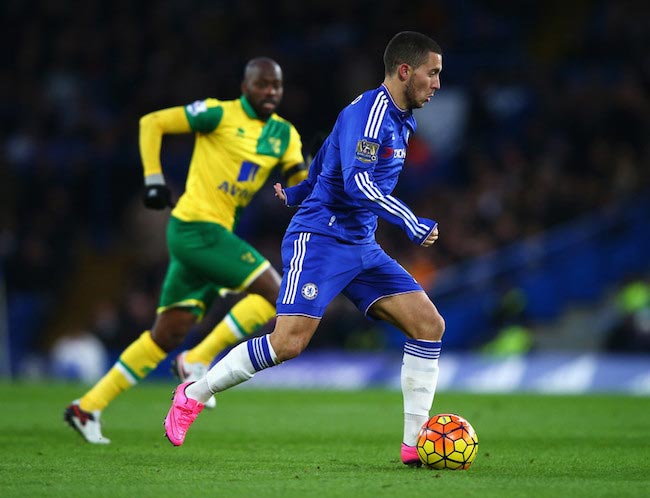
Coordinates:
(152, 128)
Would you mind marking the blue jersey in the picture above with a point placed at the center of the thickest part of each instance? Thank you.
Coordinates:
(354, 173)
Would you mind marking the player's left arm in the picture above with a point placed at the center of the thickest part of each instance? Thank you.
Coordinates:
(359, 157)
(360, 184)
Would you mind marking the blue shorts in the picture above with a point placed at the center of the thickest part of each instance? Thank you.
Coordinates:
(316, 268)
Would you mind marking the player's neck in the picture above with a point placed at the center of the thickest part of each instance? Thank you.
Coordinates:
(396, 91)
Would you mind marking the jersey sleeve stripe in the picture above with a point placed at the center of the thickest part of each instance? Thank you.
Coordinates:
(392, 205)
(371, 114)
(382, 111)
(389, 203)
(375, 116)
(375, 195)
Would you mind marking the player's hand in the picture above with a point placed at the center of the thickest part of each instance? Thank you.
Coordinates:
(279, 192)
(157, 197)
(433, 236)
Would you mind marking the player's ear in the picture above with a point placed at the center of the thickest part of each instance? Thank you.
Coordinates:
(403, 71)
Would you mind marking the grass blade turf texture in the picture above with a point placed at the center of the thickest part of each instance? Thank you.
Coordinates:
(322, 443)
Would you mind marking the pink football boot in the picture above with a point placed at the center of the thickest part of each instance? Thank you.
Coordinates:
(410, 456)
(181, 415)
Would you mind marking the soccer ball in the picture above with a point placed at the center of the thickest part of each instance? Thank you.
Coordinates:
(447, 441)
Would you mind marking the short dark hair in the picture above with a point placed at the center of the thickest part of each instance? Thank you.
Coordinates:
(408, 47)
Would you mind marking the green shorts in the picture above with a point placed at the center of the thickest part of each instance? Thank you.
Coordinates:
(206, 260)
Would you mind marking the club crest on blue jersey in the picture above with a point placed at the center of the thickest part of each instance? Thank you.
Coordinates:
(367, 151)
(309, 291)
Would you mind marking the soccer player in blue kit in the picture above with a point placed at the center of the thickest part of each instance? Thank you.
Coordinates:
(330, 247)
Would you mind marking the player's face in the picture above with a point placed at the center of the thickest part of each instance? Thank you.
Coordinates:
(424, 81)
(263, 89)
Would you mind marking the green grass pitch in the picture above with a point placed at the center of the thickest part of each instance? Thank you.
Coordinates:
(321, 443)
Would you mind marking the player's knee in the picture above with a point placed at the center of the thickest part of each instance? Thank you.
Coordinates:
(171, 328)
(438, 327)
(272, 297)
(290, 350)
(167, 339)
(267, 286)
(287, 348)
(430, 329)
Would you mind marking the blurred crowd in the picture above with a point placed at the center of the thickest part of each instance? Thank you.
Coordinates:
(543, 116)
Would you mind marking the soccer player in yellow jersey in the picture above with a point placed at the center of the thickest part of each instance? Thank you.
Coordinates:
(238, 143)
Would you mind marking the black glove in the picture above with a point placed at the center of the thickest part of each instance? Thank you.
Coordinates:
(157, 197)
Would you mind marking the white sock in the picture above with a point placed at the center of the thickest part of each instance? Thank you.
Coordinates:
(419, 378)
(239, 365)
(199, 390)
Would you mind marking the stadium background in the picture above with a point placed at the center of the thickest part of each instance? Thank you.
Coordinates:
(533, 158)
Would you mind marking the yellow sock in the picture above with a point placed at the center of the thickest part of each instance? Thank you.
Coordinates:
(134, 364)
(245, 318)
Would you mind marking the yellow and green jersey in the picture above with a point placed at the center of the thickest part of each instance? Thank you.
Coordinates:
(234, 154)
